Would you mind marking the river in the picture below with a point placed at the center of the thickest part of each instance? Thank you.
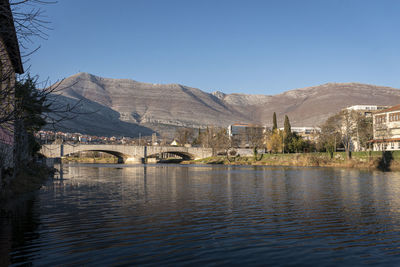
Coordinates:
(100, 214)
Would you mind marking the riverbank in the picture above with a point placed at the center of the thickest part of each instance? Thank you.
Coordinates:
(388, 161)
(30, 178)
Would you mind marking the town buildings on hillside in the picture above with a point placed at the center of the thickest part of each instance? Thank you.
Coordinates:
(50, 137)
(386, 132)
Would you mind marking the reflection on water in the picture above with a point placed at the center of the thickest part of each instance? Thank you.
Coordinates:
(171, 214)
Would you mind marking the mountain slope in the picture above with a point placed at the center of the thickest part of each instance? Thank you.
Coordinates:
(165, 106)
(147, 103)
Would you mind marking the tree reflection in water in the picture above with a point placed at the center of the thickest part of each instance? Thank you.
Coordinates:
(169, 214)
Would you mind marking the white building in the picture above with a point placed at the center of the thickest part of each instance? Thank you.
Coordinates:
(308, 133)
(386, 127)
(367, 110)
(349, 122)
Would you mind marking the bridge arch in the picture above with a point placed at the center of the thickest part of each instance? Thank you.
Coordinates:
(120, 156)
(184, 155)
(127, 153)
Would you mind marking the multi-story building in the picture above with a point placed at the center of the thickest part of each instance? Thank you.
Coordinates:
(350, 117)
(245, 134)
(386, 127)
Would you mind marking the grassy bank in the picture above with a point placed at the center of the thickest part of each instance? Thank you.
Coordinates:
(369, 160)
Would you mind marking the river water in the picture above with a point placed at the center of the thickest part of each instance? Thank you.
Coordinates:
(189, 215)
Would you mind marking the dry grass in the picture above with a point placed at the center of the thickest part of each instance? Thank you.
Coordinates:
(360, 160)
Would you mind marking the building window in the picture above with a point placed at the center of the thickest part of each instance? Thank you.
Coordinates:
(394, 116)
(380, 119)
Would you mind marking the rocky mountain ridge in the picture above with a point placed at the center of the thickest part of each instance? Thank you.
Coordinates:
(162, 107)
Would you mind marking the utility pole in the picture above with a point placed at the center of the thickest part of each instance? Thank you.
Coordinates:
(140, 135)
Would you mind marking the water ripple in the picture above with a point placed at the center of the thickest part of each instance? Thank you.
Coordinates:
(185, 215)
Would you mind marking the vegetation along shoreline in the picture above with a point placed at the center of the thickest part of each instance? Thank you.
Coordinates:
(372, 160)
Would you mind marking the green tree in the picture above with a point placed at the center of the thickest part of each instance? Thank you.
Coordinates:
(30, 106)
(287, 134)
(297, 143)
(274, 123)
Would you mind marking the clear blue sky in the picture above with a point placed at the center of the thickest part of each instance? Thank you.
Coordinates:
(247, 46)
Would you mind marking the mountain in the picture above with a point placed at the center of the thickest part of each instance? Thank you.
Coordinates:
(90, 118)
(129, 107)
(311, 106)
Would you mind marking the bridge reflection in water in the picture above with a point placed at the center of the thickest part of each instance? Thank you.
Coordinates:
(126, 153)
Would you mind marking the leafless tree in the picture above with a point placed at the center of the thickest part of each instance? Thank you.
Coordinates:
(216, 138)
(29, 24)
(330, 134)
(184, 135)
(255, 137)
(343, 128)
(21, 22)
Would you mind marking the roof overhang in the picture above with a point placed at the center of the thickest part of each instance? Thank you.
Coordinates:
(384, 140)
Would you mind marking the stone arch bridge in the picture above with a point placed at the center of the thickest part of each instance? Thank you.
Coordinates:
(126, 153)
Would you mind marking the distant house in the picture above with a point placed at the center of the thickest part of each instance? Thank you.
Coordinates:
(174, 143)
(386, 127)
(308, 133)
(10, 64)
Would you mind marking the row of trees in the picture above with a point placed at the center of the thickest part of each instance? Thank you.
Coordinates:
(213, 137)
(285, 141)
(342, 131)
(345, 130)
(273, 140)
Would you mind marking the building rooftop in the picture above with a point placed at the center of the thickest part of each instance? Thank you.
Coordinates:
(394, 108)
(246, 125)
(367, 107)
